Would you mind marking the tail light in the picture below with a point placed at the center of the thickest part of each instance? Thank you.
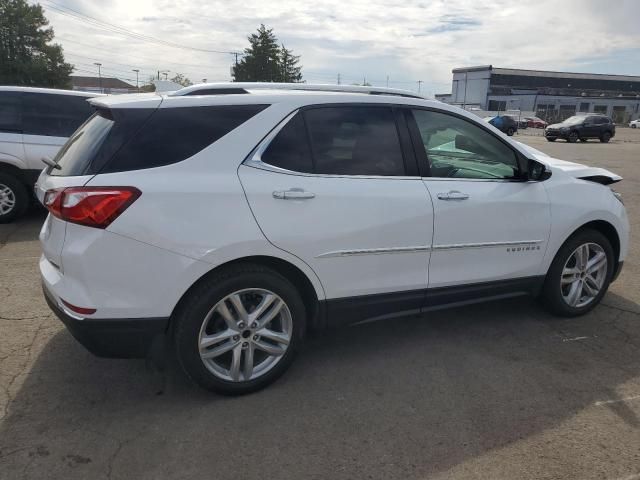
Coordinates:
(90, 206)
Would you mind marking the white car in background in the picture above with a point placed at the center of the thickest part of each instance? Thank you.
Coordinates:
(230, 218)
(635, 123)
(34, 124)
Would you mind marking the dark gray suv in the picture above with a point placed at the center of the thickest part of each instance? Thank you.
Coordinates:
(582, 127)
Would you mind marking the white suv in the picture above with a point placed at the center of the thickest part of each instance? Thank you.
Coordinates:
(230, 218)
(34, 124)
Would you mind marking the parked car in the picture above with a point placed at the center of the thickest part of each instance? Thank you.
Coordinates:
(504, 123)
(635, 123)
(231, 219)
(520, 121)
(535, 122)
(582, 127)
(34, 124)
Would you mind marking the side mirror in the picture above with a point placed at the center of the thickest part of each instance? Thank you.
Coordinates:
(537, 171)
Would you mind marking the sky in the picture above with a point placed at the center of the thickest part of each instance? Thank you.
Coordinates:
(402, 41)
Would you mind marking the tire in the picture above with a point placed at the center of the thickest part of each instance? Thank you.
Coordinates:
(196, 317)
(605, 137)
(573, 137)
(634, 126)
(549, 139)
(510, 131)
(556, 296)
(14, 198)
(583, 140)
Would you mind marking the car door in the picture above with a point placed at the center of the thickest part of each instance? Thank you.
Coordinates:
(589, 128)
(338, 187)
(48, 120)
(11, 149)
(490, 228)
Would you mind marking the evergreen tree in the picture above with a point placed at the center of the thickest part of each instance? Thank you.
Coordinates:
(265, 61)
(291, 72)
(26, 56)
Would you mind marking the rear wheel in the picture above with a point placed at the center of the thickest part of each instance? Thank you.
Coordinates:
(510, 131)
(238, 330)
(14, 199)
(605, 137)
(579, 274)
(573, 137)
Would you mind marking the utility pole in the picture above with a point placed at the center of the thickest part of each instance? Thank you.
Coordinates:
(387, 81)
(338, 79)
(137, 72)
(420, 82)
(98, 64)
(364, 80)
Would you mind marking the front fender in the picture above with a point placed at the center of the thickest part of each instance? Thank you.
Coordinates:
(576, 203)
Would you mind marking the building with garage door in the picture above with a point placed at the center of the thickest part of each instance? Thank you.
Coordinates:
(553, 96)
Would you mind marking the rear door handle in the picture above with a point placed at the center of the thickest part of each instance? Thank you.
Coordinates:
(293, 194)
(453, 195)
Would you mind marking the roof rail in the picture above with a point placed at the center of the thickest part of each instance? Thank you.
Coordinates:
(244, 87)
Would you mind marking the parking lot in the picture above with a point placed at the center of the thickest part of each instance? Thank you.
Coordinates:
(499, 390)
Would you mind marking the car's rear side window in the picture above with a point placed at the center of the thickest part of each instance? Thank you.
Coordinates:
(355, 140)
(290, 148)
(10, 112)
(171, 135)
(123, 139)
(340, 140)
(53, 115)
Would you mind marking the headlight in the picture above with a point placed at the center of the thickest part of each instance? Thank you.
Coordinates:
(617, 195)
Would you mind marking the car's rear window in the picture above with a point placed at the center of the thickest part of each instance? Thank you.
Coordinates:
(120, 140)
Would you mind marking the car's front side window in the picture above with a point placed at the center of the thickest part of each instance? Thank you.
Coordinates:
(457, 148)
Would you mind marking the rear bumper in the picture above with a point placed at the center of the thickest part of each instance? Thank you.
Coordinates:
(113, 338)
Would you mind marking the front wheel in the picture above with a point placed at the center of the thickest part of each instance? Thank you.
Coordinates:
(238, 330)
(14, 199)
(579, 274)
(573, 137)
(510, 131)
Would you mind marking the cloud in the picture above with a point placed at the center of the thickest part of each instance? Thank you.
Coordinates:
(407, 41)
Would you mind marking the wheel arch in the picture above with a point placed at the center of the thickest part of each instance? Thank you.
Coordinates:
(13, 170)
(287, 269)
(606, 229)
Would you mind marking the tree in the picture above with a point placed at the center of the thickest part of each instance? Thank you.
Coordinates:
(26, 55)
(291, 72)
(182, 80)
(265, 61)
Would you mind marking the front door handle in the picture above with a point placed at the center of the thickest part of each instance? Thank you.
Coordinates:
(453, 195)
(293, 194)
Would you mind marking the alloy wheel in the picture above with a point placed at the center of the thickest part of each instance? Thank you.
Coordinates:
(245, 335)
(7, 199)
(583, 275)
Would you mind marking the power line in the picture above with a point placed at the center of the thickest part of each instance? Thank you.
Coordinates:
(113, 28)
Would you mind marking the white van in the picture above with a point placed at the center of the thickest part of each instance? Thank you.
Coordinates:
(34, 124)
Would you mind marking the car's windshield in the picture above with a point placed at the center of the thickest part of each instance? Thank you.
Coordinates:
(575, 120)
